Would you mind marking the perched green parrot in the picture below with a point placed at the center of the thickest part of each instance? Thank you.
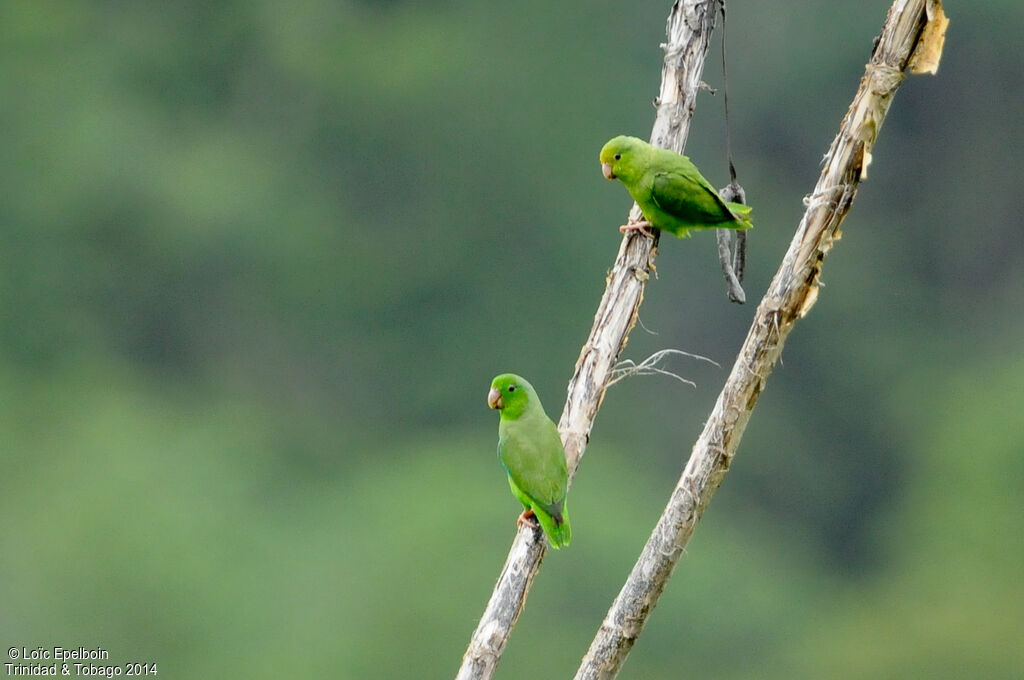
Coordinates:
(672, 194)
(531, 451)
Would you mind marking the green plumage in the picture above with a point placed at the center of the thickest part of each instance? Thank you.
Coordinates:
(671, 192)
(532, 454)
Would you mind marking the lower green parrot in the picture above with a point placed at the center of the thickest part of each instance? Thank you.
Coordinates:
(532, 453)
(672, 194)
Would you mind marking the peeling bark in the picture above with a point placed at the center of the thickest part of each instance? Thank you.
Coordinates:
(790, 296)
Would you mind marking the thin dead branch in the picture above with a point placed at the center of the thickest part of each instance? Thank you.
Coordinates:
(688, 34)
(790, 296)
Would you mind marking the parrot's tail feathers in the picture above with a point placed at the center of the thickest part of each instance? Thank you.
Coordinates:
(742, 213)
(556, 527)
(562, 533)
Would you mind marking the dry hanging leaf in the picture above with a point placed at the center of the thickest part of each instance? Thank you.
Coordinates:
(808, 301)
(928, 52)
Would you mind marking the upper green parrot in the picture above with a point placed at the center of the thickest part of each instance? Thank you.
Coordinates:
(531, 451)
(672, 194)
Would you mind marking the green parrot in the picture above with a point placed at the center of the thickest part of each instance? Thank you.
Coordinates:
(672, 194)
(531, 451)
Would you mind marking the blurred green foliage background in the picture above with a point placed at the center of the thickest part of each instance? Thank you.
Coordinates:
(262, 259)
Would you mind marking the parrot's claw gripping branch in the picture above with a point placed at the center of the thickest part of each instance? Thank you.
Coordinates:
(527, 517)
(642, 226)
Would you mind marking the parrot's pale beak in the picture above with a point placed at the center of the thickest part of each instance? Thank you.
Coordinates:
(606, 170)
(494, 398)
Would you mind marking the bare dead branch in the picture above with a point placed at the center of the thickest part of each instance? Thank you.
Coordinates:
(790, 296)
(688, 33)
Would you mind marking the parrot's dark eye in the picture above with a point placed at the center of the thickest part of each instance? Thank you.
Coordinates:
(618, 156)
(511, 388)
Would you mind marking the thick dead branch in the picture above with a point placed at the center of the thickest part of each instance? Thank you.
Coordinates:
(688, 33)
(791, 294)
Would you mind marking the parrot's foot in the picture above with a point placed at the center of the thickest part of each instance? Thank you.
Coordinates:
(525, 519)
(640, 226)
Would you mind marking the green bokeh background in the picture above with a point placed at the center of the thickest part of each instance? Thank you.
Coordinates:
(262, 259)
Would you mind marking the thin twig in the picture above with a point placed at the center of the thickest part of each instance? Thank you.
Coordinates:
(627, 368)
(688, 34)
(790, 296)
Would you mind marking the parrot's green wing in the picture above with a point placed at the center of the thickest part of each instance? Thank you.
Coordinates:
(533, 456)
(531, 452)
(683, 193)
